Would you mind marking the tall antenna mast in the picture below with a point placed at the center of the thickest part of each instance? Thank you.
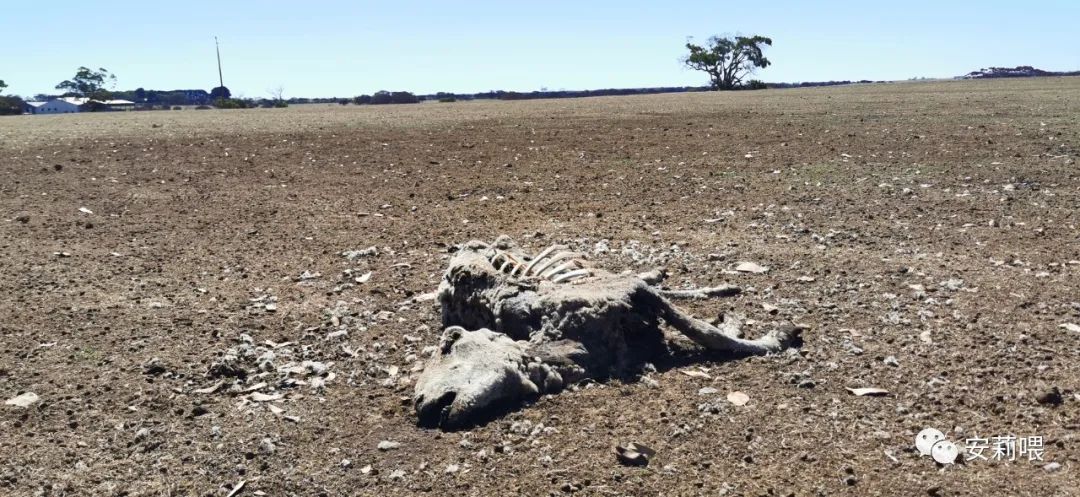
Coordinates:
(221, 81)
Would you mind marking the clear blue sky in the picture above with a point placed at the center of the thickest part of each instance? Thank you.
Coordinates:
(347, 48)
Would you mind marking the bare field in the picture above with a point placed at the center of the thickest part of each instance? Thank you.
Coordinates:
(196, 324)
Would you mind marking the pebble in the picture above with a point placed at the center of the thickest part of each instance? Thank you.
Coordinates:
(354, 254)
(738, 398)
(952, 284)
(23, 400)
(750, 267)
(1051, 397)
(891, 361)
(388, 445)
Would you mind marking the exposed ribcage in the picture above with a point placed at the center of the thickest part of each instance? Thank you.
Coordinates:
(552, 264)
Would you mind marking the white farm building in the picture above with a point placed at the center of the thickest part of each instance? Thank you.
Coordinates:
(70, 105)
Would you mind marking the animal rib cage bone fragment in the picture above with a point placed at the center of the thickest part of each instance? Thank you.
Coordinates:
(553, 263)
(517, 326)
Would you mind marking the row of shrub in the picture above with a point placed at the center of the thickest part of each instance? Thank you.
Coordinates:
(11, 105)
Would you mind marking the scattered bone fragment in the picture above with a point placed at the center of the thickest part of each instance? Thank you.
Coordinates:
(868, 392)
(634, 454)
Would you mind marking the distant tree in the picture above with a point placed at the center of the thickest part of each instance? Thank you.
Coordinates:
(277, 93)
(140, 95)
(220, 92)
(403, 97)
(362, 100)
(232, 103)
(10, 105)
(173, 98)
(728, 60)
(90, 84)
(381, 97)
(755, 84)
(445, 97)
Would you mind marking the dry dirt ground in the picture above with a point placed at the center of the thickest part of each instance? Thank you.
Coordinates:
(197, 326)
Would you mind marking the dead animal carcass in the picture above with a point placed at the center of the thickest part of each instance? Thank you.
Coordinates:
(519, 326)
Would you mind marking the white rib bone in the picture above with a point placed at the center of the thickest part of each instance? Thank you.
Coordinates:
(538, 258)
(558, 257)
(494, 259)
(572, 275)
(508, 261)
(508, 266)
(566, 266)
(505, 264)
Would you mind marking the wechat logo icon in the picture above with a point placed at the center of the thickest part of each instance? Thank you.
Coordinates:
(931, 442)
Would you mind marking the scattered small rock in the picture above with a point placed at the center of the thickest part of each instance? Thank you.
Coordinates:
(25, 399)
(388, 445)
(356, 254)
(953, 284)
(750, 267)
(634, 454)
(265, 397)
(1050, 397)
(1071, 327)
(868, 392)
(738, 398)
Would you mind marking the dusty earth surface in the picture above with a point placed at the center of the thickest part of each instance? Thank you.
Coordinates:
(196, 325)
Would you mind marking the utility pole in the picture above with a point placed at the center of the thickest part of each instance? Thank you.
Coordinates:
(221, 81)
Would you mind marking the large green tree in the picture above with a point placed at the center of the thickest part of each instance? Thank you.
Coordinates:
(2, 86)
(727, 60)
(90, 84)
